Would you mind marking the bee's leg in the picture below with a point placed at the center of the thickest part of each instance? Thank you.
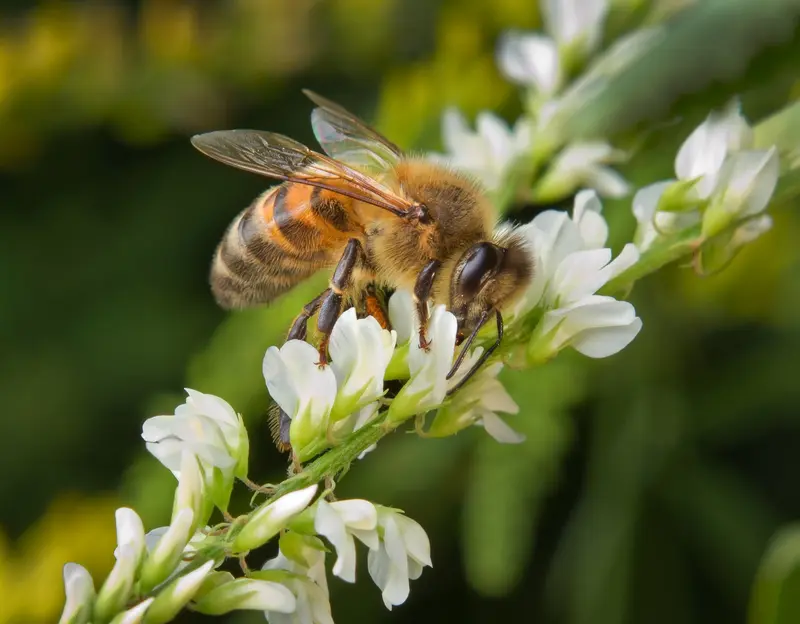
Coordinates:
(300, 324)
(375, 307)
(422, 293)
(332, 303)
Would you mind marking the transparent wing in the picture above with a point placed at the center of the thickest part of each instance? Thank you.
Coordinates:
(278, 156)
(345, 137)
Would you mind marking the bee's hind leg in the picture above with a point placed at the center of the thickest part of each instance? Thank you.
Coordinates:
(331, 306)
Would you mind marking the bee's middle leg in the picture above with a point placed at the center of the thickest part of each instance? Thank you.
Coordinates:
(332, 303)
(422, 293)
(374, 307)
(300, 324)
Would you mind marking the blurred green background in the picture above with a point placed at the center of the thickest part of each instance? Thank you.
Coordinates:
(650, 483)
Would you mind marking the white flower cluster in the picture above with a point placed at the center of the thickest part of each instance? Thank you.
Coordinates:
(325, 404)
(721, 182)
(541, 64)
(159, 573)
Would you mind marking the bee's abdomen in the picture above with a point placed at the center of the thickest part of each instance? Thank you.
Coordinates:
(282, 238)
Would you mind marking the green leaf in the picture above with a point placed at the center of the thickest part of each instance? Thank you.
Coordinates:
(776, 592)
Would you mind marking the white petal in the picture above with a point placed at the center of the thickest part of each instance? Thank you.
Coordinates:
(626, 259)
(213, 407)
(646, 199)
(329, 524)
(569, 20)
(79, 590)
(605, 341)
(401, 315)
(456, 134)
(357, 513)
(344, 345)
(750, 180)
(751, 230)
(245, 593)
(396, 590)
(496, 399)
(497, 136)
(499, 429)
(580, 274)
(368, 538)
(134, 615)
(416, 541)
(130, 530)
(587, 214)
(607, 181)
(530, 60)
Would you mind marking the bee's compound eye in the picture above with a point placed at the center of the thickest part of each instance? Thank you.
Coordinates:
(480, 262)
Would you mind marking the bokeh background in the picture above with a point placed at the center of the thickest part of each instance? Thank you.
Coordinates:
(650, 483)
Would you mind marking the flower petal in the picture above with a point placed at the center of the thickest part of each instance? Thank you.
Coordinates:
(530, 60)
(329, 524)
(499, 429)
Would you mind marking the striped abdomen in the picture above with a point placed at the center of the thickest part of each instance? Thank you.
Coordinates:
(285, 236)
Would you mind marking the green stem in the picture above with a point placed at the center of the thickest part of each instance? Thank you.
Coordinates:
(654, 258)
(335, 460)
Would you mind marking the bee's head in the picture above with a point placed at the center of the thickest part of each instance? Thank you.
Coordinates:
(489, 276)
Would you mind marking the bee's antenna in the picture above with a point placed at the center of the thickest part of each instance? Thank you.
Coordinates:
(484, 356)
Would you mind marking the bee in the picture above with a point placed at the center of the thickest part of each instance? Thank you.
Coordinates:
(374, 216)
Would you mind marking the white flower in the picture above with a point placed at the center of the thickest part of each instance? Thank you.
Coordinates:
(477, 403)
(583, 165)
(177, 594)
(304, 390)
(702, 154)
(209, 428)
(165, 554)
(572, 266)
(538, 61)
(247, 593)
(403, 551)
(488, 153)
(309, 586)
(747, 182)
(79, 590)
(427, 385)
(530, 60)
(720, 181)
(360, 351)
(116, 590)
(338, 522)
(269, 519)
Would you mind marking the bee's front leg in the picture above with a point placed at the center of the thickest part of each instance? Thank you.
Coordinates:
(331, 306)
(422, 293)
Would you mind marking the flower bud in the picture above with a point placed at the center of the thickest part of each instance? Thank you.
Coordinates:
(269, 519)
(747, 182)
(134, 615)
(176, 595)
(116, 590)
(247, 593)
(165, 556)
(191, 492)
(79, 590)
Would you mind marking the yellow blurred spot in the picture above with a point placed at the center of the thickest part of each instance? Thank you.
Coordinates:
(169, 29)
(73, 529)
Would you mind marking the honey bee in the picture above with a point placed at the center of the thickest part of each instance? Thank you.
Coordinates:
(373, 215)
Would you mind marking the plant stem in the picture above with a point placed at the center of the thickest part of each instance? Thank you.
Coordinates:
(685, 243)
(335, 460)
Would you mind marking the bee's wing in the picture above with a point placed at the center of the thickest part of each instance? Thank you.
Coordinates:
(278, 156)
(346, 137)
